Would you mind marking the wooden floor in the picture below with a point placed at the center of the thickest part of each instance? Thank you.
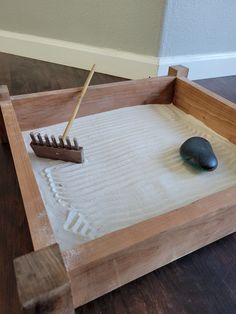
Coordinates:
(202, 282)
(24, 75)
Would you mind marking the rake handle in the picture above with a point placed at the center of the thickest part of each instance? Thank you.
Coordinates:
(84, 89)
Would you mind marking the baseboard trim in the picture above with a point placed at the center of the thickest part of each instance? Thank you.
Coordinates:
(202, 66)
(109, 61)
(114, 62)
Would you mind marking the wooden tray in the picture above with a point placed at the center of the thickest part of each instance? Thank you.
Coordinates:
(53, 281)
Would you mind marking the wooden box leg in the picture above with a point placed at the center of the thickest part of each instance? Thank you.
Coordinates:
(4, 97)
(43, 283)
(178, 70)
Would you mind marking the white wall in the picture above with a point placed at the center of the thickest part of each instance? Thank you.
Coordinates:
(198, 27)
(200, 34)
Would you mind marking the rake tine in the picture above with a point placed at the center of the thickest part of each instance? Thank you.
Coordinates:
(47, 140)
(76, 145)
(68, 142)
(54, 141)
(33, 138)
(40, 139)
(61, 141)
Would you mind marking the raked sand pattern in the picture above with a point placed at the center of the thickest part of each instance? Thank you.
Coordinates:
(133, 171)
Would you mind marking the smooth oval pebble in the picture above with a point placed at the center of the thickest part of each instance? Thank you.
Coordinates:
(197, 151)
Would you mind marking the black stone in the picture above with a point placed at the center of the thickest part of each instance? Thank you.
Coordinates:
(197, 151)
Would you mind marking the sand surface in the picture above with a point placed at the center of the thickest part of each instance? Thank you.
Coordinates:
(133, 171)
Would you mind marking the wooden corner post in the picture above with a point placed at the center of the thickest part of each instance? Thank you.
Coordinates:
(4, 98)
(43, 283)
(178, 70)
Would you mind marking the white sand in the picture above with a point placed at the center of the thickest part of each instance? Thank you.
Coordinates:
(133, 171)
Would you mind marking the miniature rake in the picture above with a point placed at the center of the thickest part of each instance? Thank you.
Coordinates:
(63, 148)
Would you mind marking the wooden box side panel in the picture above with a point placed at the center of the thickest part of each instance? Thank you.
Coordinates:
(43, 109)
(99, 266)
(213, 110)
(39, 225)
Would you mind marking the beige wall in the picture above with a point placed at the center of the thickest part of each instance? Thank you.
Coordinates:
(128, 25)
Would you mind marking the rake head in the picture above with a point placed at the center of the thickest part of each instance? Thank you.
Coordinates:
(46, 147)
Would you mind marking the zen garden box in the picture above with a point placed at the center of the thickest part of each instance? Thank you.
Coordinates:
(56, 278)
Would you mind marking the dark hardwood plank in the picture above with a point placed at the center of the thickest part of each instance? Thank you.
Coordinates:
(25, 75)
(202, 282)
(224, 86)
(14, 233)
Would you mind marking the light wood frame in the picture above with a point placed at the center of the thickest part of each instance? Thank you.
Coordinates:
(106, 263)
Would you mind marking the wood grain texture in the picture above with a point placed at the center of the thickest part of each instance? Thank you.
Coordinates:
(178, 70)
(40, 228)
(202, 282)
(25, 75)
(4, 98)
(223, 86)
(59, 153)
(126, 263)
(213, 110)
(43, 283)
(106, 263)
(15, 239)
(43, 109)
